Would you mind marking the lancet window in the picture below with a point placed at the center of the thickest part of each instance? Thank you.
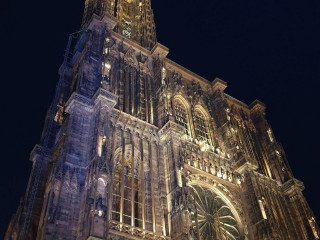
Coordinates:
(132, 193)
(181, 116)
(127, 198)
(200, 127)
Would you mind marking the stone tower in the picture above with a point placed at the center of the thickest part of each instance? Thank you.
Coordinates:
(137, 147)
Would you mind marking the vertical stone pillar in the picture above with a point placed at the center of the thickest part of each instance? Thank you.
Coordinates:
(132, 173)
(270, 150)
(171, 135)
(99, 171)
(142, 182)
(304, 220)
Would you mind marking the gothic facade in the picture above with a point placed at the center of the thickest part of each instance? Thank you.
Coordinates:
(137, 147)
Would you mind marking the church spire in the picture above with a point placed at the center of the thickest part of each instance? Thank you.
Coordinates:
(135, 18)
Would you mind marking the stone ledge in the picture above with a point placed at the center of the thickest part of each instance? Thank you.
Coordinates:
(243, 165)
(77, 98)
(101, 95)
(292, 185)
(171, 126)
(160, 50)
(257, 105)
(218, 84)
(95, 238)
(130, 232)
(106, 96)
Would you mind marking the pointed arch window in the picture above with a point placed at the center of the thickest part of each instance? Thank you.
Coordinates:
(200, 127)
(181, 116)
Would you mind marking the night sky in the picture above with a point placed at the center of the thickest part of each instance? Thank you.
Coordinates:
(266, 49)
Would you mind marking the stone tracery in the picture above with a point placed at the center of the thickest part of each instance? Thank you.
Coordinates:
(211, 215)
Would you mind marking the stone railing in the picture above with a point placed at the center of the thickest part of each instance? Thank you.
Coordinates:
(210, 162)
(217, 171)
(136, 232)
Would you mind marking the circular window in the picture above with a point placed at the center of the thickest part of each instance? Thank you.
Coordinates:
(211, 217)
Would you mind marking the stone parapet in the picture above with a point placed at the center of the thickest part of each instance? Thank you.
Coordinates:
(131, 232)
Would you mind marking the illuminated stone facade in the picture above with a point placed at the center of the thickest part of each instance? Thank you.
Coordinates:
(140, 147)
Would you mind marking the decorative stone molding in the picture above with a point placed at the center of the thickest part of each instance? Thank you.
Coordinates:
(267, 182)
(77, 98)
(95, 238)
(257, 106)
(101, 95)
(171, 126)
(106, 96)
(231, 196)
(244, 164)
(229, 179)
(292, 185)
(218, 84)
(160, 50)
(134, 124)
(134, 232)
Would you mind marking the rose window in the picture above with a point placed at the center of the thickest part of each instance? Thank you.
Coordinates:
(211, 217)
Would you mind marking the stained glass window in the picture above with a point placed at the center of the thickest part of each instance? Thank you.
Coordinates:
(200, 127)
(181, 116)
(212, 218)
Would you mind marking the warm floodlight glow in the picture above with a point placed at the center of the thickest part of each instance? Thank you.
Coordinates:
(239, 181)
(108, 66)
(100, 213)
(203, 148)
(102, 180)
(270, 135)
(263, 212)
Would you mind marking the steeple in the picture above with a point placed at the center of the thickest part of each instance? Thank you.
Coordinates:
(135, 18)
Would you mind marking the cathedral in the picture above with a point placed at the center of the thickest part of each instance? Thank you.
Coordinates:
(136, 146)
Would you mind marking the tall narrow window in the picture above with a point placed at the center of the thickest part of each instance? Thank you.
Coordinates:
(181, 116)
(200, 127)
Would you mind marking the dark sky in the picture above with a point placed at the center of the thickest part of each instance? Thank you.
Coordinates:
(266, 49)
